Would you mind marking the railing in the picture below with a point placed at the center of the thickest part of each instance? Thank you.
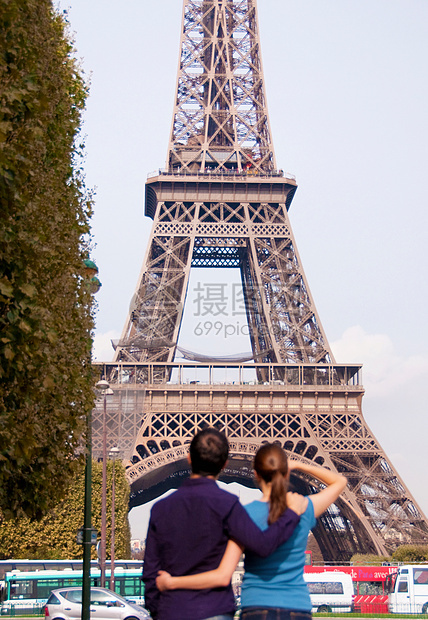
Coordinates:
(219, 175)
(277, 376)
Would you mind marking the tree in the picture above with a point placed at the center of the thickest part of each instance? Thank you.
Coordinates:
(54, 535)
(411, 553)
(369, 559)
(404, 553)
(45, 306)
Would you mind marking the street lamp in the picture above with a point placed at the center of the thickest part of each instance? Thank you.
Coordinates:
(86, 535)
(114, 452)
(104, 387)
(87, 526)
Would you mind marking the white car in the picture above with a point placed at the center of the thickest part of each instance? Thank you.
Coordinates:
(66, 604)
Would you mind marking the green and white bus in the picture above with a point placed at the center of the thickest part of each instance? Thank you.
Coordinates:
(28, 591)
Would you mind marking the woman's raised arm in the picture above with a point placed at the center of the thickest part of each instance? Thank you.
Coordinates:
(335, 484)
(219, 577)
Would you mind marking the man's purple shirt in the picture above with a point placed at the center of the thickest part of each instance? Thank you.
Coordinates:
(188, 533)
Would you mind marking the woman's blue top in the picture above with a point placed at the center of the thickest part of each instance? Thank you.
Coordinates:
(277, 581)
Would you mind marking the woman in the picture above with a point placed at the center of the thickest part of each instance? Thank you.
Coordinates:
(273, 587)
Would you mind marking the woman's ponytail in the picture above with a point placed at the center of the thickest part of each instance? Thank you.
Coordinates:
(278, 497)
(271, 465)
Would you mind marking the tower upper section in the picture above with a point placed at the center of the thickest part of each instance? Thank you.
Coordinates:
(220, 121)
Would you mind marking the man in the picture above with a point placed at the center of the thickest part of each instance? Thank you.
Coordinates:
(189, 530)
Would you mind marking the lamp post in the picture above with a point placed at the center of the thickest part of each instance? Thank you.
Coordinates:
(88, 534)
(114, 452)
(87, 527)
(90, 270)
(104, 386)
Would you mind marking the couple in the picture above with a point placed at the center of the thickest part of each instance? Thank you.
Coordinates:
(197, 534)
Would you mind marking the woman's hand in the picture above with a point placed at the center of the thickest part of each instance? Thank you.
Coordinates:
(163, 581)
(218, 578)
(335, 484)
(292, 465)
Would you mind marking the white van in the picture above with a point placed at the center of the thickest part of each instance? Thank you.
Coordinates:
(408, 590)
(330, 591)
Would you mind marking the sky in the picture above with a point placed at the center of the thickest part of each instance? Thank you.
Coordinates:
(346, 84)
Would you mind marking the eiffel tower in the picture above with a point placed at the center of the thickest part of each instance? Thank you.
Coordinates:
(222, 202)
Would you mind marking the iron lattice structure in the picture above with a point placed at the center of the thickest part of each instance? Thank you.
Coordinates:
(222, 203)
(220, 119)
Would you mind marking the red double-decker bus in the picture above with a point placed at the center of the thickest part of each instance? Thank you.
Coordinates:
(369, 585)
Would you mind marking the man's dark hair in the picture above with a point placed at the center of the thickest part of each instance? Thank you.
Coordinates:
(209, 450)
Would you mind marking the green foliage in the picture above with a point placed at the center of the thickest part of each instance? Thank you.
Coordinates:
(404, 553)
(54, 535)
(369, 559)
(45, 306)
(411, 553)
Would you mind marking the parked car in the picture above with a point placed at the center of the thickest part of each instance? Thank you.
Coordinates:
(66, 604)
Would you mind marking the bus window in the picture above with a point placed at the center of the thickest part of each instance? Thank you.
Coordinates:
(370, 587)
(403, 586)
(70, 582)
(21, 589)
(420, 576)
(128, 586)
(44, 587)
